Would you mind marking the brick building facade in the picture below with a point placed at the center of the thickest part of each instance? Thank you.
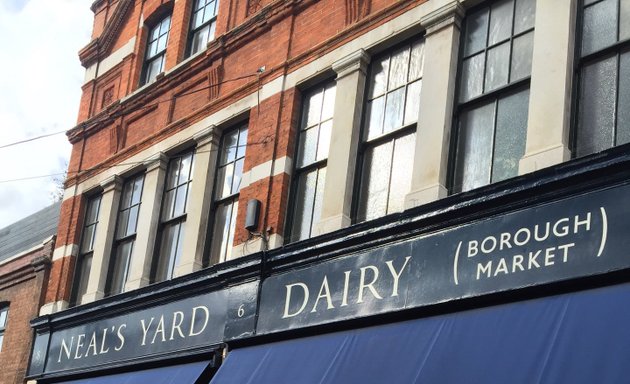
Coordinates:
(225, 142)
(26, 249)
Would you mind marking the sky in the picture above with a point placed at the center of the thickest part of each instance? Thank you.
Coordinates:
(40, 88)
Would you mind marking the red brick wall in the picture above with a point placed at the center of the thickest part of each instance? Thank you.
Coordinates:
(21, 287)
(280, 35)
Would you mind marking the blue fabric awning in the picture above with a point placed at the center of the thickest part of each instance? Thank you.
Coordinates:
(176, 374)
(582, 337)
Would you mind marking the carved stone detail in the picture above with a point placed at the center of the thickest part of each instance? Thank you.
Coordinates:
(215, 77)
(253, 6)
(117, 138)
(356, 10)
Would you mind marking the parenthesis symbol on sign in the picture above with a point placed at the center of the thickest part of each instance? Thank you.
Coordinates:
(459, 246)
(604, 231)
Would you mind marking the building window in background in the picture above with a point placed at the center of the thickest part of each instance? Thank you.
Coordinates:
(389, 130)
(203, 24)
(312, 155)
(125, 236)
(173, 216)
(604, 68)
(4, 314)
(495, 69)
(155, 56)
(86, 250)
(226, 192)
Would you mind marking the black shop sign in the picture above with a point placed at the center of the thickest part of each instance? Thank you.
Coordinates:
(578, 236)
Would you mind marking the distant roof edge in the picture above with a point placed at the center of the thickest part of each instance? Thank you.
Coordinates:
(29, 232)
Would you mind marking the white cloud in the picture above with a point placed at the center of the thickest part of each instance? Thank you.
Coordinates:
(40, 88)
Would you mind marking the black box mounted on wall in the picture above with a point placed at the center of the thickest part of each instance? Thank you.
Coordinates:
(251, 216)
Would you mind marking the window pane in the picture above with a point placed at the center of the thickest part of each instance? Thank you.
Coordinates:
(399, 67)
(472, 77)
(497, 67)
(125, 199)
(394, 110)
(185, 168)
(522, 56)
(154, 68)
(155, 33)
(500, 21)
(412, 107)
(308, 147)
(525, 13)
(476, 31)
(624, 24)
(623, 117)
(511, 130)
(213, 27)
(230, 239)
(3, 318)
(169, 203)
(161, 43)
(165, 25)
(375, 182)
(474, 148)
(375, 113)
(123, 221)
(220, 231)
(323, 144)
(242, 143)
(87, 243)
(197, 19)
(597, 106)
(92, 210)
(225, 180)
(378, 83)
(200, 40)
(180, 200)
(170, 248)
(314, 108)
(137, 190)
(229, 147)
(238, 173)
(81, 277)
(304, 202)
(120, 268)
(208, 12)
(173, 173)
(133, 220)
(178, 250)
(600, 26)
(417, 60)
(400, 183)
(329, 102)
(319, 197)
(223, 233)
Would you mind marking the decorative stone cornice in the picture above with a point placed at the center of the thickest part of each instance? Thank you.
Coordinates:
(206, 136)
(102, 45)
(157, 161)
(357, 61)
(41, 263)
(451, 13)
(113, 183)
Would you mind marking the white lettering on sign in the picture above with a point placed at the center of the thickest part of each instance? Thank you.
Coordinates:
(149, 331)
(75, 348)
(298, 294)
(524, 249)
